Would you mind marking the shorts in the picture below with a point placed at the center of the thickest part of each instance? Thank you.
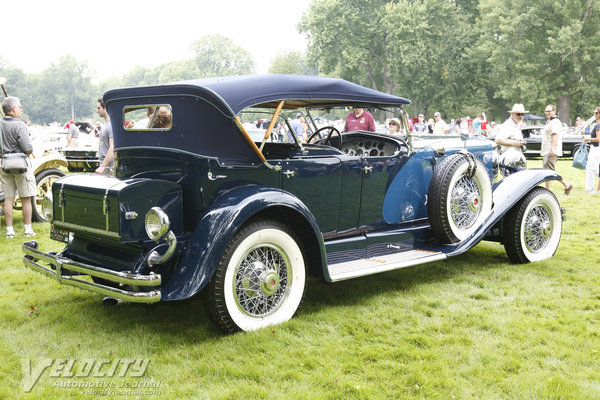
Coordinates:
(550, 162)
(23, 184)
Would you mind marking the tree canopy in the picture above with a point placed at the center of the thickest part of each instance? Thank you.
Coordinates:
(459, 57)
(65, 90)
(542, 52)
(462, 55)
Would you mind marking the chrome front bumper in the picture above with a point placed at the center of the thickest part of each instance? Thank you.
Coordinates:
(32, 256)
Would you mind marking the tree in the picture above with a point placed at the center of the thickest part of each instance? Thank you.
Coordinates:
(413, 48)
(346, 40)
(73, 85)
(15, 78)
(542, 52)
(177, 71)
(430, 43)
(217, 55)
(292, 62)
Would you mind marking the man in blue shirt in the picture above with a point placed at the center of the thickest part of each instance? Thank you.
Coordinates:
(298, 127)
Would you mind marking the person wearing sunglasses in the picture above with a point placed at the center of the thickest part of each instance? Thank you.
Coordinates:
(552, 144)
(509, 135)
(394, 126)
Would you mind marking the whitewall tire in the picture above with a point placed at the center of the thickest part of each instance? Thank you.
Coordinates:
(260, 280)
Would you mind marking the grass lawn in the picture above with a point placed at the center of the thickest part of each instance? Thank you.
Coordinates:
(471, 327)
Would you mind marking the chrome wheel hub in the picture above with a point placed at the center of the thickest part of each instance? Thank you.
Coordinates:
(269, 282)
(261, 280)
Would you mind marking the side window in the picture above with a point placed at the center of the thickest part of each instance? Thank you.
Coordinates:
(154, 117)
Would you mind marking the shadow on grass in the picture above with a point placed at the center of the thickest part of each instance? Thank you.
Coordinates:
(188, 321)
(476, 261)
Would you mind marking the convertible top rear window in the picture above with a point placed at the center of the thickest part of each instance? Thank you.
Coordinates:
(153, 117)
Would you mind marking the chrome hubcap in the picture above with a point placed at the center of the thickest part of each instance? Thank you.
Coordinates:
(261, 280)
(269, 282)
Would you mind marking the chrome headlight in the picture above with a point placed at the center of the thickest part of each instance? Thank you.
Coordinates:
(512, 161)
(157, 223)
(47, 207)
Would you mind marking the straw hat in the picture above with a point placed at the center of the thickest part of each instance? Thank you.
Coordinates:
(518, 109)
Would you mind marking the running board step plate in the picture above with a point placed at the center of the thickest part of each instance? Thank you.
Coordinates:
(375, 265)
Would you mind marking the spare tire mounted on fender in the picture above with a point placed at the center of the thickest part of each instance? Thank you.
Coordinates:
(459, 198)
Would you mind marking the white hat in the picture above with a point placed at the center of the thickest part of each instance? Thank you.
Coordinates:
(518, 108)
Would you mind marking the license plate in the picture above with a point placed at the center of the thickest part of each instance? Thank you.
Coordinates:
(59, 234)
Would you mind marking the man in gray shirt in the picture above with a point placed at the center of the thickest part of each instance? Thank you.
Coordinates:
(107, 145)
(72, 134)
(15, 139)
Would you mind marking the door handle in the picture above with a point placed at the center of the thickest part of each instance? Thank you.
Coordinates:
(213, 177)
(288, 174)
(368, 169)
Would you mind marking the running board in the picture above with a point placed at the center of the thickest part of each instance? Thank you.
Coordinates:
(375, 265)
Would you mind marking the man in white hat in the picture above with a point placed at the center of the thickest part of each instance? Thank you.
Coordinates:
(440, 127)
(509, 135)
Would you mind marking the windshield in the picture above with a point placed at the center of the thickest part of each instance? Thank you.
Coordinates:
(297, 125)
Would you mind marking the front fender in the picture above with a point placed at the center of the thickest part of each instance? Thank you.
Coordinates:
(224, 218)
(41, 163)
(506, 193)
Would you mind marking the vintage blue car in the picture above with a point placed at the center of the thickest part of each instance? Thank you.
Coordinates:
(198, 204)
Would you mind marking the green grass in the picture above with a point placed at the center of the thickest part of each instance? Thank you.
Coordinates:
(471, 327)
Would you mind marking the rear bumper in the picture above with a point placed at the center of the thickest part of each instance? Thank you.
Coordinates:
(58, 266)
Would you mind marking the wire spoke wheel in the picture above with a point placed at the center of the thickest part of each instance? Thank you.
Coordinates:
(261, 281)
(533, 227)
(465, 202)
(537, 229)
(459, 197)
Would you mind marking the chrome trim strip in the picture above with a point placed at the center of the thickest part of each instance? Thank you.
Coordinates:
(32, 256)
(87, 229)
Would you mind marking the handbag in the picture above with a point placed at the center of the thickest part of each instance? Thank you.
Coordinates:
(14, 163)
(580, 157)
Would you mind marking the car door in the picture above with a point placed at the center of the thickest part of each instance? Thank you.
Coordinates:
(375, 173)
(317, 182)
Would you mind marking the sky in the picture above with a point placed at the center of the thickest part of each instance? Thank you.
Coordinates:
(116, 36)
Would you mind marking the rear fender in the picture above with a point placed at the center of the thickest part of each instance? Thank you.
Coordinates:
(506, 193)
(226, 215)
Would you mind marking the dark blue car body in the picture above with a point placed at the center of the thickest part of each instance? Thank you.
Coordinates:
(349, 205)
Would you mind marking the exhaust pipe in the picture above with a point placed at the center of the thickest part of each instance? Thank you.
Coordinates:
(110, 301)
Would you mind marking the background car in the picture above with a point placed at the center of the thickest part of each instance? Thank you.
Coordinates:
(533, 140)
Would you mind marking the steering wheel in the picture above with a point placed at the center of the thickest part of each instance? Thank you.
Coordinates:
(318, 137)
